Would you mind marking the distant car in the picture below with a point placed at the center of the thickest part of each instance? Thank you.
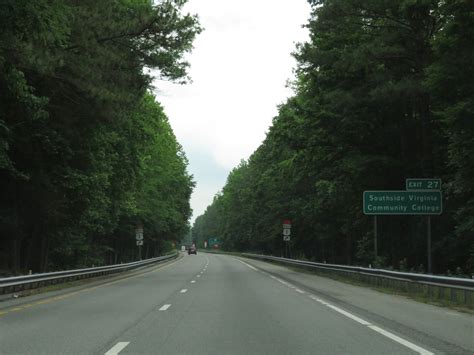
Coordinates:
(192, 250)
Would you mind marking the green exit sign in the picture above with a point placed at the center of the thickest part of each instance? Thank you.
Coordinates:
(423, 184)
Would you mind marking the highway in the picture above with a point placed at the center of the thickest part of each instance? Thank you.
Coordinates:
(220, 304)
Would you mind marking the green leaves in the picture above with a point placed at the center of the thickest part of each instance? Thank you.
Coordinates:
(384, 91)
(85, 152)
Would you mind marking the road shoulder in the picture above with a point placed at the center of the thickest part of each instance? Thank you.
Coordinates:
(444, 329)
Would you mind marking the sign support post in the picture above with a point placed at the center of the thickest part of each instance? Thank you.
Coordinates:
(287, 236)
(139, 238)
(375, 238)
(430, 271)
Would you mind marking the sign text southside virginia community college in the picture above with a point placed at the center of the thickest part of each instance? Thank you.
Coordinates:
(402, 202)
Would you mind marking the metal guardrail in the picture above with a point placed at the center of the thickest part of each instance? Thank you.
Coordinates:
(402, 276)
(20, 283)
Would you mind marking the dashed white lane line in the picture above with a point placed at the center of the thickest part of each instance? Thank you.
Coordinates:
(379, 330)
(184, 290)
(193, 281)
(117, 348)
(198, 275)
(165, 307)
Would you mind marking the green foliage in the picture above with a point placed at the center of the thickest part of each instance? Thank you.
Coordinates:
(384, 91)
(85, 151)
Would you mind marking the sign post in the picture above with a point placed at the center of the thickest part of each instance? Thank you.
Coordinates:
(375, 238)
(139, 239)
(287, 236)
(425, 185)
(430, 268)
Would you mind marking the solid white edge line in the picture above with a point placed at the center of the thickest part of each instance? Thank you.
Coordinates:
(349, 315)
(184, 290)
(193, 281)
(250, 266)
(381, 331)
(165, 307)
(117, 348)
(399, 340)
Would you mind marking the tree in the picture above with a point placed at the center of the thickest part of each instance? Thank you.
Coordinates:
(370, 110)
(73, 77)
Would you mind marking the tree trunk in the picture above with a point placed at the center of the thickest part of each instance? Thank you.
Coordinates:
(349, 249)
(29, 250)
(116, 249)
(44, 253)
(16, 247)
(426, 135)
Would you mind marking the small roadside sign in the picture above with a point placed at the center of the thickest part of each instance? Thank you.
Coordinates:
(139, 242)
(139, 232)
(286, 230)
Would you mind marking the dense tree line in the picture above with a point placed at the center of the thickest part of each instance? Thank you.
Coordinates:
(86, 153)
(383, 91)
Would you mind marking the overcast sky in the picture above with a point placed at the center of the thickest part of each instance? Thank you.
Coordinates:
(239, 66)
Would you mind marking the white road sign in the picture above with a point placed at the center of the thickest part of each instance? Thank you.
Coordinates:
(139, 242)
(286, 226)
(139, 236)
(286, 238)
(286, 231)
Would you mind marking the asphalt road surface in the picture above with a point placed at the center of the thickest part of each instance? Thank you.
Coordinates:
(220, 304)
